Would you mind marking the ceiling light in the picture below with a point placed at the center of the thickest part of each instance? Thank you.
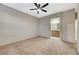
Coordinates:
(38, 10)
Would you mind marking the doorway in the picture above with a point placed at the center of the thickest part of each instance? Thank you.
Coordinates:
(55, 27)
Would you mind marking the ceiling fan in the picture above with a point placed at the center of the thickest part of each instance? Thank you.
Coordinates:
(40, 8)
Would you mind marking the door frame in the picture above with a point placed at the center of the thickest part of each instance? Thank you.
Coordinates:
(60, 26)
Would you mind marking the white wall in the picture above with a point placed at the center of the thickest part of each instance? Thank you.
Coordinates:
(78, 27)
(68, 25)
(16, 26)
(67, 20)
(44, 27)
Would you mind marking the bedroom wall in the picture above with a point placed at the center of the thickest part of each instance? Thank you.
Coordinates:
(78, 28)
(44, 27)
(69, 26)
(16, 26)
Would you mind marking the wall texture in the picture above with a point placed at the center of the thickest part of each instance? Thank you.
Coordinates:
(16, 26)
(44, 27)
(67, 19)
(69, 25)
(78, 28)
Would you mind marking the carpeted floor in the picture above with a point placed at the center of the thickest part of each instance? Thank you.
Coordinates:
(39, 46)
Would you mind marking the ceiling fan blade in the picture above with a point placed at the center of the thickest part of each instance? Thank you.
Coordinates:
(33, 9)
(37, 12)
(43, 10)
(44, 5)
(36, 5)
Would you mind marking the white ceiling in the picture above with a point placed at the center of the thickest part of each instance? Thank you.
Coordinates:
(51, 8)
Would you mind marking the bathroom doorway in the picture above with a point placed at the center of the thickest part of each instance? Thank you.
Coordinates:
(55, 27)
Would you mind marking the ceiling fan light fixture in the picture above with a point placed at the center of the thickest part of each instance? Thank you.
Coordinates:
(38, 10)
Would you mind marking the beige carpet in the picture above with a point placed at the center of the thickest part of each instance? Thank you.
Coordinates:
(39, 46)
